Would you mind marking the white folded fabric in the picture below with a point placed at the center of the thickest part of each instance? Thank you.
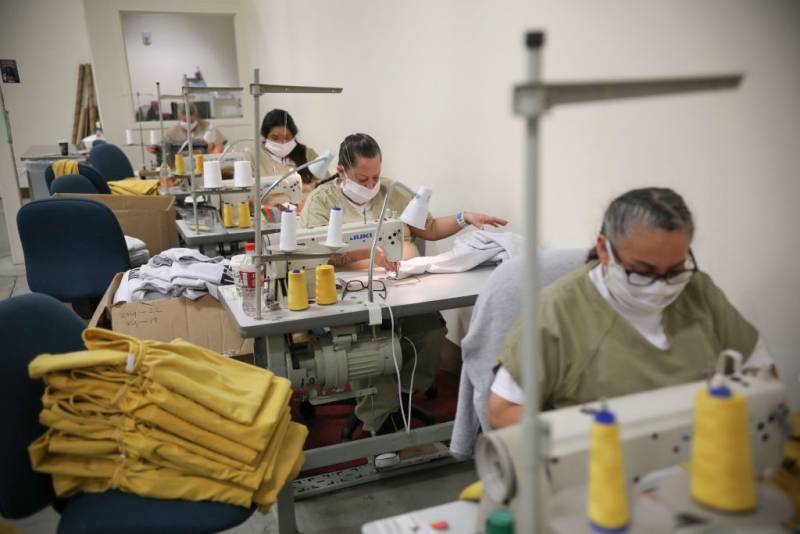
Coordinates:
(469, 250)
(134, 243)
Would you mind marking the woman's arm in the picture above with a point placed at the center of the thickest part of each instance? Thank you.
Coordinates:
(441, 227)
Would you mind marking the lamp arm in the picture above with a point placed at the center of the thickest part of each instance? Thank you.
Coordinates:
(377, 233)
(288, 174)
(231, 145)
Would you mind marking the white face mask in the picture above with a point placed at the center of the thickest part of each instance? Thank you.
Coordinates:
(186, 126)
(357, 192)
(280, 149)
(647, 300)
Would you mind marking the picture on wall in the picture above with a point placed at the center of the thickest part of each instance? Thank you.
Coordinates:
(9, 69)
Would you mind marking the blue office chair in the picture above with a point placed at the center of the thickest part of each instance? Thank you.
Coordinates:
(24, 492)
(110, 161)
(73, 183)
(84, 170)
(29, 325)
(73, 247)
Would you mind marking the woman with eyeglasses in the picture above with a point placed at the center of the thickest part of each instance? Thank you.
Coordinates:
(639, 315)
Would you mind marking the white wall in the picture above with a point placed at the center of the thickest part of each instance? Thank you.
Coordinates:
(33, 33)
(103, 21)
(41, 107)
(432, 82)
(180, 43)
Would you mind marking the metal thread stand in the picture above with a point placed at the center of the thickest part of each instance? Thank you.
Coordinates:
(532, 100)
(257, 89)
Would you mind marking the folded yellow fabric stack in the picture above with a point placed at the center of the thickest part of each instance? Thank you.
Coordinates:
(62, 167)
(165, 420)
(134, 187)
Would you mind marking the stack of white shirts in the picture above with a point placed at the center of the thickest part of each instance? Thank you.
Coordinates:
(177, 272)
(137, 251)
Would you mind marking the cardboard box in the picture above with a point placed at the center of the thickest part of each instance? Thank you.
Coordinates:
(204, 321)
(149, 218)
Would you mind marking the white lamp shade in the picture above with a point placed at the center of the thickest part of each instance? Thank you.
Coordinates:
(416, 213)
(318, 169)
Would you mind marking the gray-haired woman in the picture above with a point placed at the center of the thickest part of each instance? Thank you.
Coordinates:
(638, 315)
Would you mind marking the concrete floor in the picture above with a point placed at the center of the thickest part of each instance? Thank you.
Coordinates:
(344, 511)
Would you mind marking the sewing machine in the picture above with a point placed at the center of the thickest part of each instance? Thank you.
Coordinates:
(312, 252)
(656, 433)
(322, 363)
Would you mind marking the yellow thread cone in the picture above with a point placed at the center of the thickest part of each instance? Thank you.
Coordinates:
(198, 164)
(722, 463)
(325, 284)
(608, 498)
(227, 215)
(180, 164)
(244, 215)
(298, 290)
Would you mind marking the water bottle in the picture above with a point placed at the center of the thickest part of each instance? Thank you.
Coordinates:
(163, 178)
(247, 281)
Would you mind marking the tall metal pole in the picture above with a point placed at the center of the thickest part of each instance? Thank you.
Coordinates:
(187, 114)
(141, 132)
(256, 91)
(12, 200)
(530, 520)
(161, 124)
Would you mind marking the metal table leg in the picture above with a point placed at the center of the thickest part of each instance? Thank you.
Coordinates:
(285, 510)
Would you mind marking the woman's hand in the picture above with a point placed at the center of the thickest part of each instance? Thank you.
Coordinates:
(479, 220)
(382, 261)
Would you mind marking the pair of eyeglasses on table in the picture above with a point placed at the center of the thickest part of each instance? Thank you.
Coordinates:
(354, 286)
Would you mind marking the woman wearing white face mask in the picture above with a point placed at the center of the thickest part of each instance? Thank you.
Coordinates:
(281, 152)
(205, 137)
(639, 315)
(359, 191)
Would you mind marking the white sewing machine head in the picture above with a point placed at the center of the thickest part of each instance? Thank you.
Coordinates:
(355, 236)
(655, 430)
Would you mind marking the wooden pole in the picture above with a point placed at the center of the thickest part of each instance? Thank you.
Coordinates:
(90, 100)
(76, 131)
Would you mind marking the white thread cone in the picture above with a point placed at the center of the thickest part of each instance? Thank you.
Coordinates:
(212, 176)
(128, 137)
(242, 174)
(334, 239)
(155, 137)
(288, 231)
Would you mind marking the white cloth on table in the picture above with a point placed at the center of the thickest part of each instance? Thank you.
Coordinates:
(498, 305)
(469, 250)
(134, 243)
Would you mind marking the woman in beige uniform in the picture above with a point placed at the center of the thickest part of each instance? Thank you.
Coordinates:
(282, 152)
(639, 315)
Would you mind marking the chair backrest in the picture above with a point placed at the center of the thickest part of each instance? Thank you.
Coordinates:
(72, 183)
(110, 161)
(84, 170)
(29, 325)
(73, 247)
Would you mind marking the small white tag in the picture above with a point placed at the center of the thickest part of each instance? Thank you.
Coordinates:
(131, 363)
(374, 309)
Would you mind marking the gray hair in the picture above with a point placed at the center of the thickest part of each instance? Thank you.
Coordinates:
(656, 207)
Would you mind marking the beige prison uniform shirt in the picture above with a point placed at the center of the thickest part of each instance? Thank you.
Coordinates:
(588, 351)
(177, 135)
(318, 208)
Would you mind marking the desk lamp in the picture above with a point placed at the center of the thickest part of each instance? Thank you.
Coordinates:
(317, 166)
(415, 214)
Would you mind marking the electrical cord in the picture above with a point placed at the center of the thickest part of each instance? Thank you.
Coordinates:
(406, 420)
(413, 372)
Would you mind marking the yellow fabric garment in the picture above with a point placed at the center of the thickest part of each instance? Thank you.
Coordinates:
(134, 187)
(231, 388)
(63, 167)
(156, 405)
(164, 420)
(74, 473)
